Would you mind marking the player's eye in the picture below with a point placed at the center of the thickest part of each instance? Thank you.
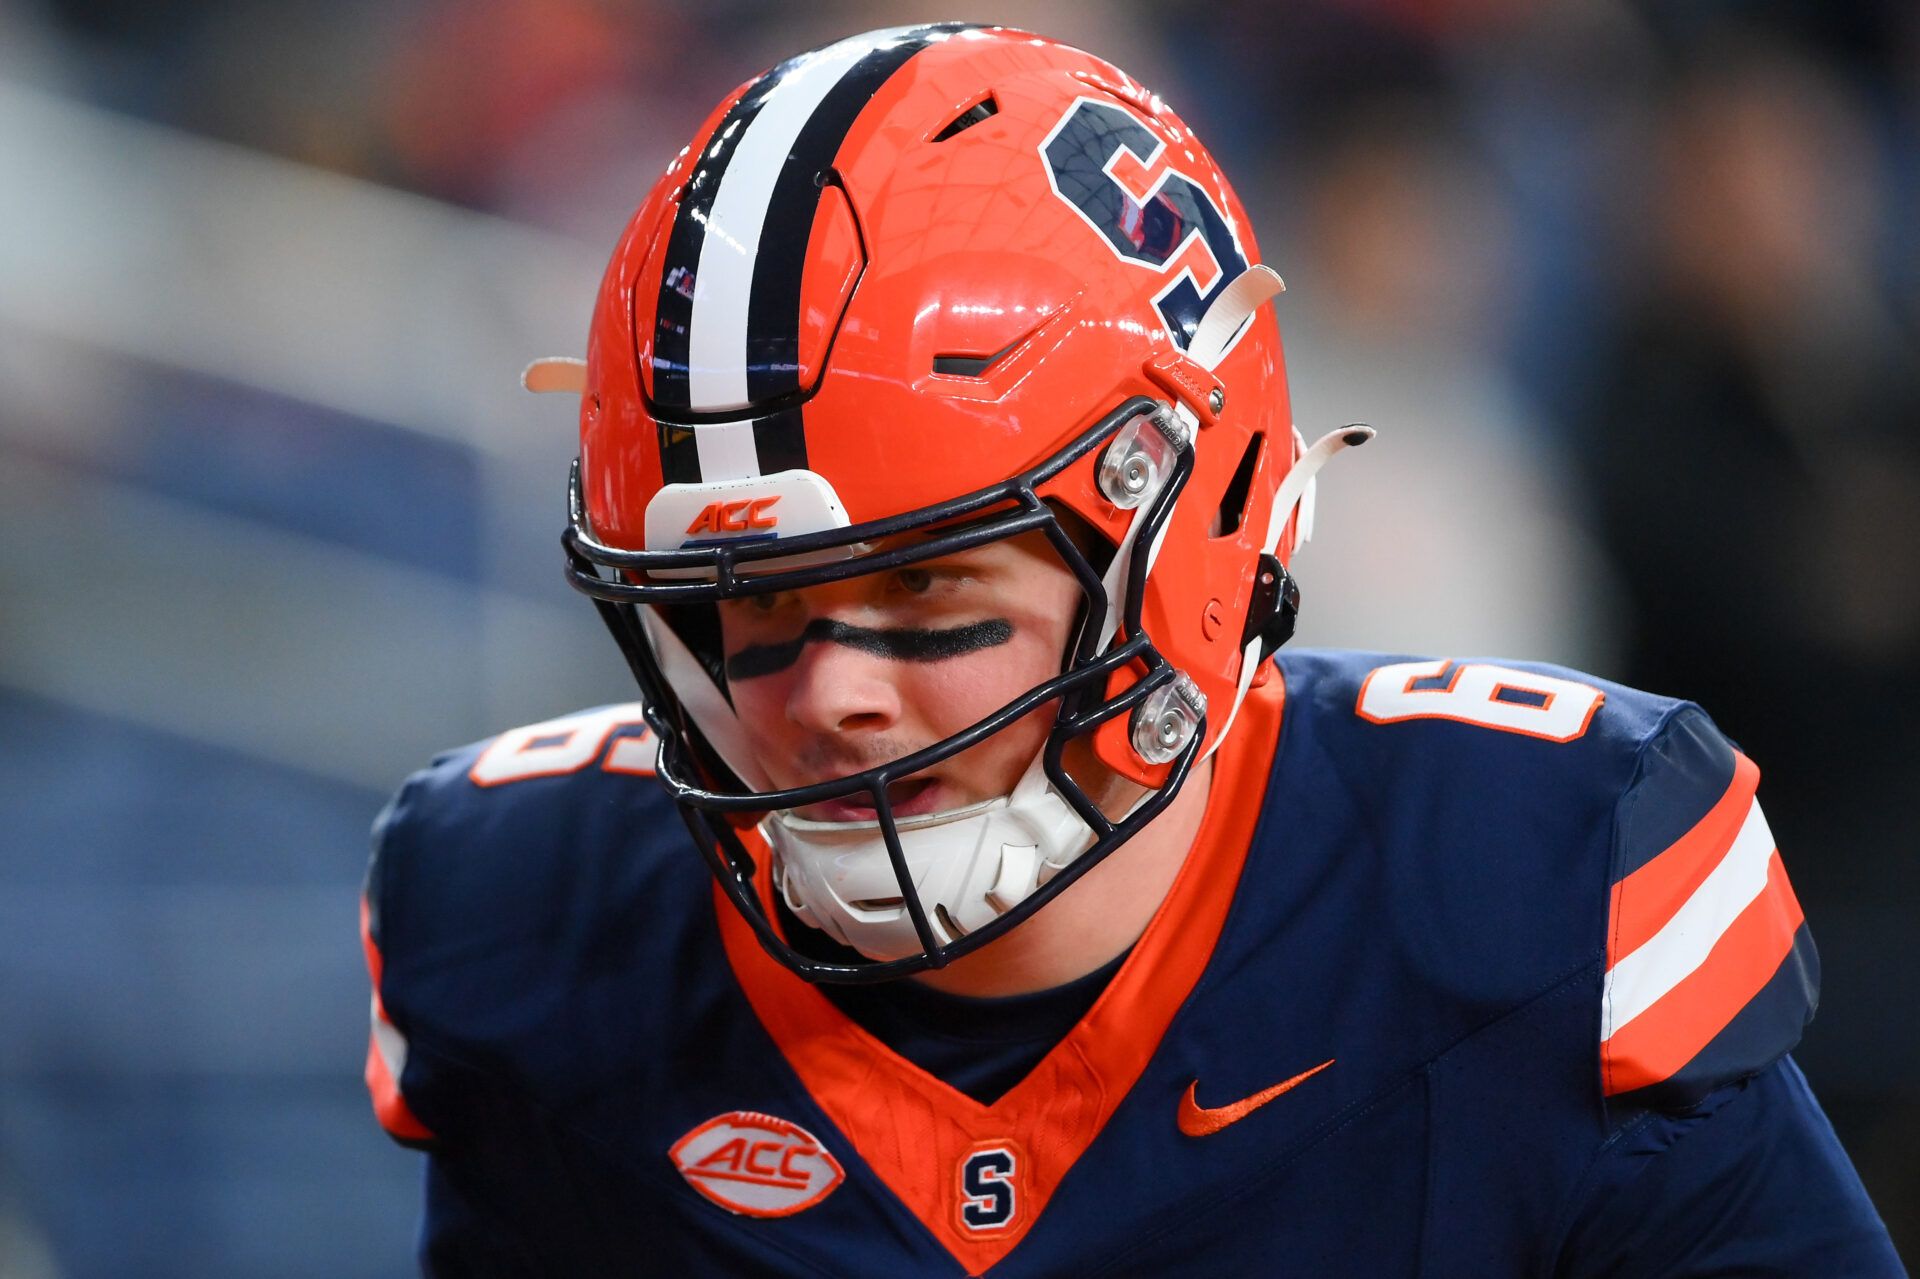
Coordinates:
(915, 580)
(765, 603)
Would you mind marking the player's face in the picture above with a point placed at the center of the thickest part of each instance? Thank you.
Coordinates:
(835, 679)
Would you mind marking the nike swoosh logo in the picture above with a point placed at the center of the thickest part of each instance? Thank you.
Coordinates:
(1202, 1121)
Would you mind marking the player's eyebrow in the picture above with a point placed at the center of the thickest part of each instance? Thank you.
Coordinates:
(896, 643)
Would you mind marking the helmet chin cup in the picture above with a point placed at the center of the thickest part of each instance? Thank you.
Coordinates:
(968, 866)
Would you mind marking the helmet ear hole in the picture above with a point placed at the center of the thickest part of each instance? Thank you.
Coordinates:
(1233, 501)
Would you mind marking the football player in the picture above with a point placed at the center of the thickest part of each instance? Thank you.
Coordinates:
(1027, 916)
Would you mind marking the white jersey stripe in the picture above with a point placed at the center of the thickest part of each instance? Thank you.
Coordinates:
(723, 283)
(1637, 981)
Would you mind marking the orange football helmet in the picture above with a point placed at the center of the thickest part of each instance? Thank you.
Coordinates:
(955, 279)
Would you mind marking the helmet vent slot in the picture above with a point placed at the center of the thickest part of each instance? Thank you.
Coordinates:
(973, 365)
(1233, 502)
(961, 365)
(981, 110)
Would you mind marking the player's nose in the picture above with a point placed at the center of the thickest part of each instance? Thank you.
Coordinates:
(840, 689)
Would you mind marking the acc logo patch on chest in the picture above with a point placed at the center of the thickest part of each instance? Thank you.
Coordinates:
(755, 1164)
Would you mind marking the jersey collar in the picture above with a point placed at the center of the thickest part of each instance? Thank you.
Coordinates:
(915, 1132)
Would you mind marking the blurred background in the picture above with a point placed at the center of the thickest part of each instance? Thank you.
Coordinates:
(1631, 290)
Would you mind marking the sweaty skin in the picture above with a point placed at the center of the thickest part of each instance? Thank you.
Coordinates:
(896, 643)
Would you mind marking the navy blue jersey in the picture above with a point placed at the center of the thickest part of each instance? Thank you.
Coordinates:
(1473, 969)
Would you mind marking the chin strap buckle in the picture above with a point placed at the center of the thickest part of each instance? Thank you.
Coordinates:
(1166, 720)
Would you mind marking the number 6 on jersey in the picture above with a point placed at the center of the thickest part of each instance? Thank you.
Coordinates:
(1499, 697)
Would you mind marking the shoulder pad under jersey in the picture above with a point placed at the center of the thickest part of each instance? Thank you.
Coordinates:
(1539, 819)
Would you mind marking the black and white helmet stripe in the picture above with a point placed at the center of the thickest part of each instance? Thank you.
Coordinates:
(727, 328)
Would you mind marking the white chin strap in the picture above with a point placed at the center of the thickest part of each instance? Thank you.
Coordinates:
(1219, 328)
(1226, 319)
(968, 865)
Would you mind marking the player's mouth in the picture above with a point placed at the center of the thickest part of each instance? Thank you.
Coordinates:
(908, 797)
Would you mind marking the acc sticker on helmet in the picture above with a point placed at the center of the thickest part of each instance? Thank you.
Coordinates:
(758, 1165)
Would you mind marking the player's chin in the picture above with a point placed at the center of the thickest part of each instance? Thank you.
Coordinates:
(908, 797)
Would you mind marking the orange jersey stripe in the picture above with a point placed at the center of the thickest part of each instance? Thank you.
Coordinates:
(1656, 1044)
(1645, 900)
(389, 1105)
